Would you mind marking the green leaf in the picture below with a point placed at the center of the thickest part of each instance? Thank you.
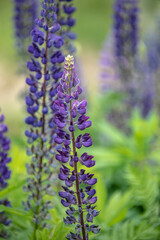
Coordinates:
(111, 132)
(59, 231)
(102, 193)
(11, 188)
(15, 211)
(117, 208)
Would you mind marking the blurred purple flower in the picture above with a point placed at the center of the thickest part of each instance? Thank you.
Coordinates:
(25, 12)
(65, 10)
(126, 28)
(5, 173)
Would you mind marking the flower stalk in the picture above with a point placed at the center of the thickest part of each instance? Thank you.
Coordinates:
(77, 195)
(126, 36)
(5, 173)
(25, 13)
(45, 71)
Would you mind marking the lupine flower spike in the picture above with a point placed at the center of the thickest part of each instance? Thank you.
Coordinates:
(65, 10)
(45, 70)
(126, 35)
(77, 194)
(109, 79)
(25, 12)
(5, 173)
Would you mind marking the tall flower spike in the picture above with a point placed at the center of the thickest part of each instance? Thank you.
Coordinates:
(65, 10)
(77, 194)
(109, 79)
(126, 35)
(153, 61)
(45, 71)
(25, 12)
(5, 173)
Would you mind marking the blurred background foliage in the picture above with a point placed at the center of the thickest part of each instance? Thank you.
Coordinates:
(94, 18)
(127, 166)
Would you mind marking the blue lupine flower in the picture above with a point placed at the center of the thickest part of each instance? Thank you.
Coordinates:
(77, 194)
(125, 27)
(25, 12)
(4, 159)
(153, 63)
(45, 71)
(125, 37)
(65, 10)
(5, 173)
(109, 78)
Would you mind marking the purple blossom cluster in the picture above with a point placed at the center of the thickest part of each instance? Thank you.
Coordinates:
(153, 63)
(119, 51)
(153, 47)
(65, 10)
(109, 78)
(118, 65)
(125, 27)
(77, 194)
(126, 37)
(25, 13)
(45, 71)
(5, 173)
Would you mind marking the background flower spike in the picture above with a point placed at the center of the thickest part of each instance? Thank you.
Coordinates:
(5, 173)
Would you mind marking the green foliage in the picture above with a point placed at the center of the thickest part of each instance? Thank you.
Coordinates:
(144, 186)
(58, 232)
(133, 215)
(116, 208)
(132, 230)
(128, 165)
(127, 188)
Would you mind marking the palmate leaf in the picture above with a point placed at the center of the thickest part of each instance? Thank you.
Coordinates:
(57, 233)
(144, 185)
(137, 147)
(21, 225)
(15, 211)
(133, 230)
(138, 124)
(105, 158)
(42, 235)
(117, 207)
(12, 187)
(102, 193)
(113, 134)
(144, 192)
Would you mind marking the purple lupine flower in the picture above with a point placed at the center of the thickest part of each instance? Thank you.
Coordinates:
(4, 159)
(25, 12)
(5, 173)
(45, 71)
(126, 35)
(153, 52)
(153, 47)
(153, 62)
(145, 98)
(77, 194)
(109, 78)
(125, 27)
(65, 10)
